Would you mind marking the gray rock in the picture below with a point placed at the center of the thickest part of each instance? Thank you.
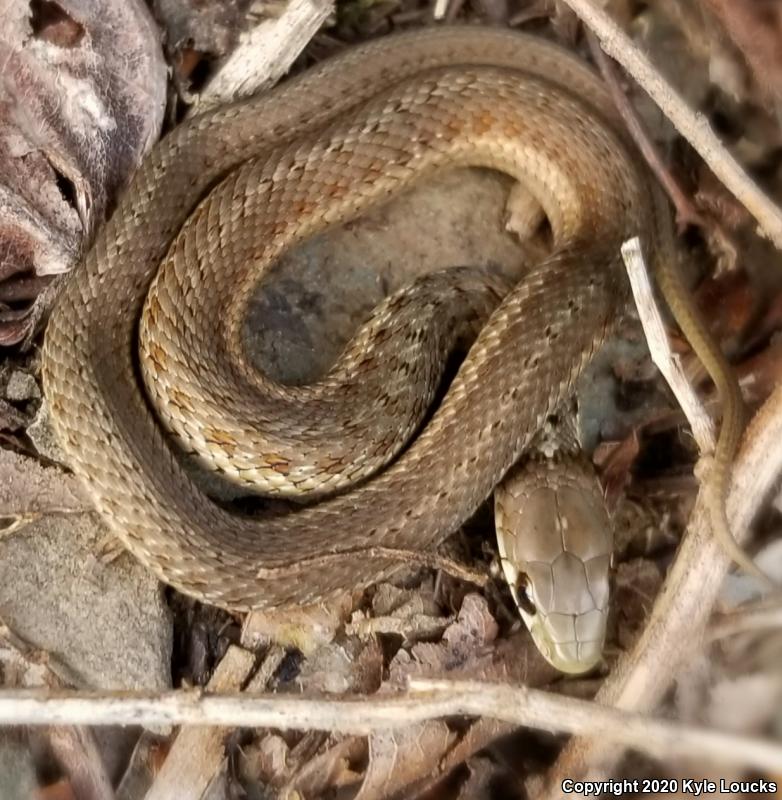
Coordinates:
(22, 386)
(106, 624)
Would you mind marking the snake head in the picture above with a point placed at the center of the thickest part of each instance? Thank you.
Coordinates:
(555, 539)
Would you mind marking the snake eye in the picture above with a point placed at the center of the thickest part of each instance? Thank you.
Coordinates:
(523, 595)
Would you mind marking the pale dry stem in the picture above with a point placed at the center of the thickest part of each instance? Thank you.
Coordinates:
(425, 700)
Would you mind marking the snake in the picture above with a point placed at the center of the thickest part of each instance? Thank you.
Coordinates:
(209, 212)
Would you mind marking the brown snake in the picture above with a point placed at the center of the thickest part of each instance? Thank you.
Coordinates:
(367, 124)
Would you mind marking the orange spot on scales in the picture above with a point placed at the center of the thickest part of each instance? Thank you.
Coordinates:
(483, 122)
(277, 462)
(222, 439)
(158, 356)
(179, 399)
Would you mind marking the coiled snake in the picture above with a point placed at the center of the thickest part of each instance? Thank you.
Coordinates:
(315, 152)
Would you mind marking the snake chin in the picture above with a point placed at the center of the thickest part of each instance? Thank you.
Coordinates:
(571, 657)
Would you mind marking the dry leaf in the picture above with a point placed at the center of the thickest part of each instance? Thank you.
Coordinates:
(307, 628)
(332, 769)
(469, 649)
(636, 586)
(616, 460)
(398, 758)
(82, 98)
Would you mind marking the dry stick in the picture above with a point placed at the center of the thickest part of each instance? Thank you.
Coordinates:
(684, 604)
(750, 618)
(440, 9)
(73, 747)
(692, 126)
(659, 347)
(425, 700)
(266, 52)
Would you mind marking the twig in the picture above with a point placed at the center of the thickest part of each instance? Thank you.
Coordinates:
(660, 349)
(266, 52)
(425, 700)
(692, 126)
(440, 9)
(763, 615)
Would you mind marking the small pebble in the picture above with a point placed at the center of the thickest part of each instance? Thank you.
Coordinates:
(22, 386)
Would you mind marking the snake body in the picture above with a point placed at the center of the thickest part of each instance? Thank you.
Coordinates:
(315, 152)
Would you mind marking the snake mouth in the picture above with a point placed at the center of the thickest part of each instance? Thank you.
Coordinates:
(574, 657)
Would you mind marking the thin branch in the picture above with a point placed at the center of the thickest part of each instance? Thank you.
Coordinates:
(692, 126)
(759, 616)
(425, 700)
(660, 349)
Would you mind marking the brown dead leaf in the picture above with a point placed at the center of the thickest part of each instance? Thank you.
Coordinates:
(401, 757)
(265, 760)
(353, 665)
(636, 586)
(616, 460)
(464, 642)
(198, 33)
(315, 766)
(390, 600)
(474, 627)
(470, 649)
(479, 735)
(307, 628)
(714, 199)
(332, 770)
(734, 296)
(640, 529)
(82, 98)
(412, 614)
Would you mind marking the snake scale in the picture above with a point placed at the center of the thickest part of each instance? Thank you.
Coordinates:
(226, 192)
